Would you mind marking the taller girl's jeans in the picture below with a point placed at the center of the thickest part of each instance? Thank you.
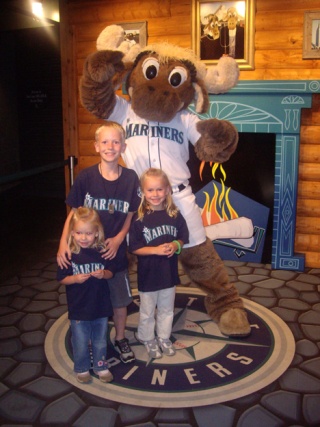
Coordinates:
(84, 331)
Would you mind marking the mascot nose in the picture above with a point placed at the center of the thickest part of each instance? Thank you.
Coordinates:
(153, 89)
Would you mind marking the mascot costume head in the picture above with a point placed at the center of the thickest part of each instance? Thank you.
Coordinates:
(162, 80)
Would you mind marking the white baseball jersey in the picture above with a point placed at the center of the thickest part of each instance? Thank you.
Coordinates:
(164, 146)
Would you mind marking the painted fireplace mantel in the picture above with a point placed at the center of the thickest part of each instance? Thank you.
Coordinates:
(273, 107)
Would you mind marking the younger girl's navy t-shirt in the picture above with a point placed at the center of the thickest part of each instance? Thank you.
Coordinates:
(89, 300)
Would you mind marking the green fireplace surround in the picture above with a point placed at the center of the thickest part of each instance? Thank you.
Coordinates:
(262, 106)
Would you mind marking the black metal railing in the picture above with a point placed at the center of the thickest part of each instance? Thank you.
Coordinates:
(71, 162)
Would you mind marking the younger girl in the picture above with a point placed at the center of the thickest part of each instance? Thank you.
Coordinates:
(88, 298)
(156, 236)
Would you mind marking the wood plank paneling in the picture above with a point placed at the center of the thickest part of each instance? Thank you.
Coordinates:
(278, 56)
(308, 207)
(86, 148)
(270, 40)
(312, 258)
(86, 161)
(308, 243)
(309, 190)
(310, 153)
(118, 11)
(309, 172)
(304, 223)
(277, 6)
(309, 134)
(271, 21)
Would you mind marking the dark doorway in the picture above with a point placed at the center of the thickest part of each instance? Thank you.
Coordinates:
(33, 204)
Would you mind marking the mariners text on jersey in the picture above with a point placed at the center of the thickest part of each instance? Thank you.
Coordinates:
(153, 233)
(165, 132)
(86, 268)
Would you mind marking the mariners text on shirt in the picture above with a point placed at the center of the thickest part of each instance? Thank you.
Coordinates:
(154, 132)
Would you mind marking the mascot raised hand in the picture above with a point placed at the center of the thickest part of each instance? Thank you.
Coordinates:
(162, 80)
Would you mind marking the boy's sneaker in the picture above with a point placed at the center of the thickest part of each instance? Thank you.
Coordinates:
(84, 377)
(166, 347)
(105, 376)
(153, 349)
(123, 347)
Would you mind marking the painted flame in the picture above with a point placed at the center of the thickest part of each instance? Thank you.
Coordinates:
(219, 208)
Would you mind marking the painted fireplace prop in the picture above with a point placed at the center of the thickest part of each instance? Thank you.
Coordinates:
(262, 108)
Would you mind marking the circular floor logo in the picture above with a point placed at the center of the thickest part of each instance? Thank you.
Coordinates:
(208, 367)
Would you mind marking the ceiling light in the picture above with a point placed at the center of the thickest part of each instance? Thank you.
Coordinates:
(37, 9)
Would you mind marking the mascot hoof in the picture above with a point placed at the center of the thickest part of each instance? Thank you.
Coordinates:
(234, 323)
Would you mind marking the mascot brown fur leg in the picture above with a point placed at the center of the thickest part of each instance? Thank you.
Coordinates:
(223, 303)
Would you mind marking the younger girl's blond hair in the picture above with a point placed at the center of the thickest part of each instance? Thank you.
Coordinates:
(169, 205)
(90, 216)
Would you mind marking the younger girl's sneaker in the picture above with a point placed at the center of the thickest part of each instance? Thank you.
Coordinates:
(153, 349)
(105, 376)
(84, 377)
(166, 347)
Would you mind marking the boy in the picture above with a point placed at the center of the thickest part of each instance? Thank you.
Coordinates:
(114, 192)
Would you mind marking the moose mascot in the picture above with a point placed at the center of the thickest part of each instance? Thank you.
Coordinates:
(162, 80)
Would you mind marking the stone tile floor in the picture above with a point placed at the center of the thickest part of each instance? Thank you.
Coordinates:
(32, 394)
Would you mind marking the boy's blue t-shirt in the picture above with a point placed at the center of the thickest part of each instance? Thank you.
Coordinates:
(90, 189)
(89, 300)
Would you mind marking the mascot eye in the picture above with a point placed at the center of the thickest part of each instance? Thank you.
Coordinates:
(178, 76)
(150, 68)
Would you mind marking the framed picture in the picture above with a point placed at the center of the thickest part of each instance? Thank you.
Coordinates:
(311, 35)
(135, 31)
(224, 28)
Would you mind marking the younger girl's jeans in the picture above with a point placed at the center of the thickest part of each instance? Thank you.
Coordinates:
(83, 332)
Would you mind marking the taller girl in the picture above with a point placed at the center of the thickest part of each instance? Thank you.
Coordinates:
(157, 234)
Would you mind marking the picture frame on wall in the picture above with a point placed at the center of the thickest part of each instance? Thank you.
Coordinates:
(224, 28)
(135, 32)
(311, 35)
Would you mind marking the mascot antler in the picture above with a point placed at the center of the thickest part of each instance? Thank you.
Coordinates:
(113, 38)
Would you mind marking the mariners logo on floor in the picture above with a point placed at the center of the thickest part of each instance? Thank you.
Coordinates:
(207, 368)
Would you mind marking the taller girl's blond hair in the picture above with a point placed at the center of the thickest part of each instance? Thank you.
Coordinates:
(169, 205)
(90, 216)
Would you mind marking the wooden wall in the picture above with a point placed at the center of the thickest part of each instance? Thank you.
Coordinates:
(278, 56)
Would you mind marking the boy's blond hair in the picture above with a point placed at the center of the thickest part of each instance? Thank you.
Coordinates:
(169, 205)
(114, 125)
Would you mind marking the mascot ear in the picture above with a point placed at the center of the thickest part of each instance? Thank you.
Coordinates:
(201, 97)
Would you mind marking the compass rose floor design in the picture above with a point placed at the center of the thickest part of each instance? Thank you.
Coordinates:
(208, 367)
